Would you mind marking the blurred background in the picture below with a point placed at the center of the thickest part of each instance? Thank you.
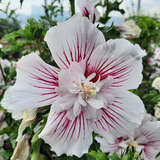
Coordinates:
(34, 8)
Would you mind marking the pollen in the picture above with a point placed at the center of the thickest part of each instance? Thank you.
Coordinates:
(89, 89)
(133, 144)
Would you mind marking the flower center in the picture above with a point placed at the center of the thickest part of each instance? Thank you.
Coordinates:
(133, 144)
(88, 89)
(138, 148)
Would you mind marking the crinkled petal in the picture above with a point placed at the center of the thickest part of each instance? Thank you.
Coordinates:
(17, 115)
(66, 134)
(150, 153)
(122, 116)
(35, 84)
(95, 103)
(63, 103)
(108, 144)
(76, 109)
(148, 134)
(69, 80)
(119, 59)
(73, 40)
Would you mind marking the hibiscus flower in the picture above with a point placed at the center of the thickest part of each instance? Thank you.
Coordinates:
(89, 90)
(144, 139)
(87, 9)
(129, 29)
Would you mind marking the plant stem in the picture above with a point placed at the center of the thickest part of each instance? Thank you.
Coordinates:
(1, 69)
(36, 144)
(107, 8)
(72, 4)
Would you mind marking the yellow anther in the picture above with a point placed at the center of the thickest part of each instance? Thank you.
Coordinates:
(93, 92)
(134, 144)
(88, 89)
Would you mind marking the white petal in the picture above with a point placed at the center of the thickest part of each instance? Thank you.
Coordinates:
(76, 109)
(16, 114)
(119, 59)
(122, 116)
(81, 100)
(67, 135)
(69, 80)
(150, 154)
(71, 41)
(91, 113)
(108, 144)
(106, 83)
(95, 103)
(63, 103)
(148, 134)
(35, 85)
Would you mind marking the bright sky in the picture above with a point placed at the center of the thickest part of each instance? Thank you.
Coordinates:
(33, 7)
(28, 5)
(149, 5)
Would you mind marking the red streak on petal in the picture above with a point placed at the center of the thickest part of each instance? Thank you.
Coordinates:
(111, 116)
(49, 98)
(65, 55)
(84, 12)
(62, 61)
(58, 115)
(113, 67)
(70, 51)
(104, 118)
(102, 69)
(114, 73)
(47, 82)
(74, 127)
(64, 113)
(44, 74)
(101, 124)
(99, 67)
(48, 93)
(79, 125)
(78, 49)
(115, 112)
(114, 105)
(50, 72)
(83, 123)
(65, 127)
(51, 88)
(94, 44)
(85, 49)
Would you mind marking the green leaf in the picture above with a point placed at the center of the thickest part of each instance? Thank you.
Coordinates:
(6, 155)
(114, 157)
(36, 143)
(98, 155)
